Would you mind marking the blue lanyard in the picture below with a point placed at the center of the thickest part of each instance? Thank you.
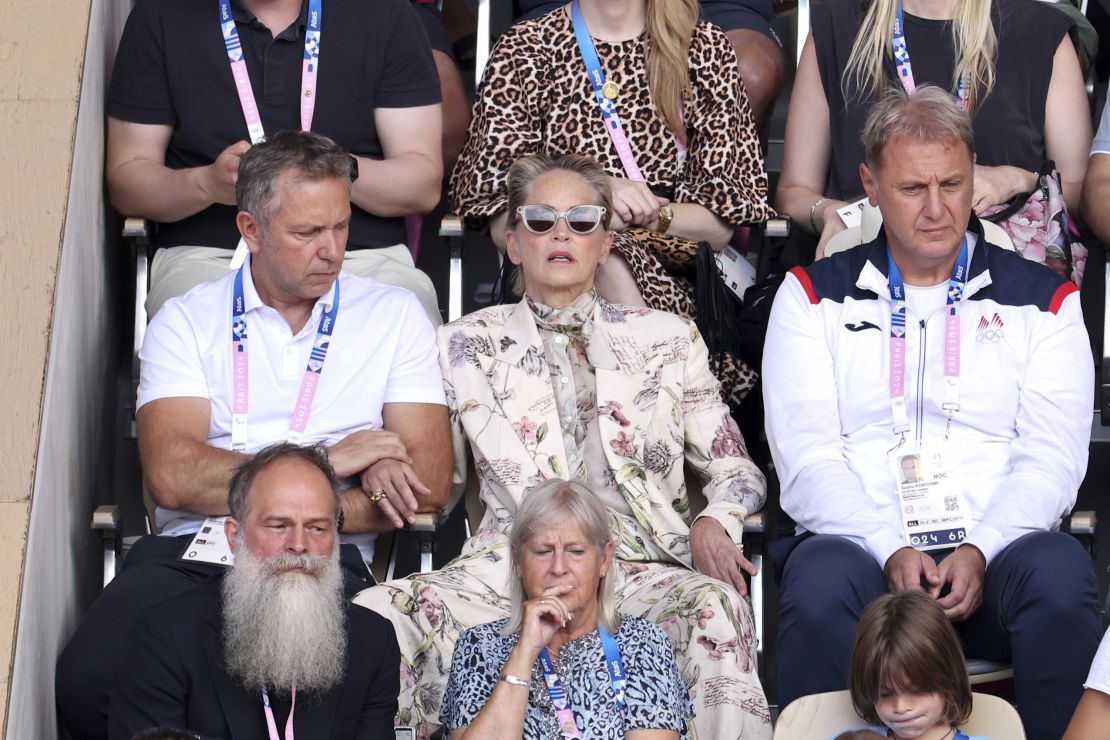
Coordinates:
(604, 101)
(240, 376)
(614, 666)
(905, 69)
(951, 339)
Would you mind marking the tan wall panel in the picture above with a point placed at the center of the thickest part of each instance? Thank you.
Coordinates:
(42, 45)
(13, 533)
(61, 567)
(42, 52)
(38, 138)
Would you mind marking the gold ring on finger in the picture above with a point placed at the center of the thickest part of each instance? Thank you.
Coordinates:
(377, 495)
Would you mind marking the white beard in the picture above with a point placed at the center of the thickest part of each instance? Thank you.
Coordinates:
(282, 625)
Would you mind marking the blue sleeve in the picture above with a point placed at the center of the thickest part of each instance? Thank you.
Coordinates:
(471, 682)
(655, 694)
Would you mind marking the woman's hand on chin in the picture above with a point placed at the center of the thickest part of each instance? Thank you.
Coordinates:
(543, 617)
(633, 204)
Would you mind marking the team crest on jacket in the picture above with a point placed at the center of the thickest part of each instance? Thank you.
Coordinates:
(989, 331)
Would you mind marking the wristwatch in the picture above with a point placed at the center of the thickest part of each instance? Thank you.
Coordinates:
(666, 215)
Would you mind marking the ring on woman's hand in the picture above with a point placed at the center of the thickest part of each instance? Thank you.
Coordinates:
(377, 495)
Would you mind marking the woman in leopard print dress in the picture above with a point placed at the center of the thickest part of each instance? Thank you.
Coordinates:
(675, 73)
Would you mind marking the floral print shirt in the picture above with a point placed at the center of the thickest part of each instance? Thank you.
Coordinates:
(658, 406)
(565, 333)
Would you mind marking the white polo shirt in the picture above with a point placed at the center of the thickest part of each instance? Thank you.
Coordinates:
(382, 351)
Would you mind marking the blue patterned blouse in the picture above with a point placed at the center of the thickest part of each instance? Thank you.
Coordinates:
(655, 694)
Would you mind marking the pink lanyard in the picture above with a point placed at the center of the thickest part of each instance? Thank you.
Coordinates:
(955, 294)
(605, 102)
(905, 69)
(271, 723)
(309, 69)
(240, 394)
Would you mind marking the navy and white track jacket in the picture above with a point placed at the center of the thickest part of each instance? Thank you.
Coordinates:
(1026, 396)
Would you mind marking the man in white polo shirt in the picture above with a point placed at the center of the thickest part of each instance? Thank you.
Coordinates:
(289, 347)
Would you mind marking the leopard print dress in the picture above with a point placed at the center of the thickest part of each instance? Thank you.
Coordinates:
(535, 97)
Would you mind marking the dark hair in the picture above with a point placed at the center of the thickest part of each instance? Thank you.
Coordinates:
(904, 641)
(166, 733)
(314, 157)
(243, 479)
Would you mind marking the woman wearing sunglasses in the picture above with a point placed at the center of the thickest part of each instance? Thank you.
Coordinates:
(654, 94)
(565, 384)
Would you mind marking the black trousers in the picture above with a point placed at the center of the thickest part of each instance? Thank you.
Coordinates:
(151, 572)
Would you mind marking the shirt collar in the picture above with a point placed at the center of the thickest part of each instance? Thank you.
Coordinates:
(252, 301)
(242, 14)
(873, 276)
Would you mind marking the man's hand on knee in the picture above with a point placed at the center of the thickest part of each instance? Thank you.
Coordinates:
(907, 568)
(717, 556)
(963, 571)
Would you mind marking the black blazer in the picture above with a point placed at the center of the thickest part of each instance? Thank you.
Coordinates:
(172, 674)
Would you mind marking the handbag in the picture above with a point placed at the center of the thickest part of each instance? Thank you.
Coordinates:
(1040, 227)
(716, 308)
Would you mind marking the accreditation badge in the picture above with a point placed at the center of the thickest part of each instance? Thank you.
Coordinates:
(930, 495)
(210, 545)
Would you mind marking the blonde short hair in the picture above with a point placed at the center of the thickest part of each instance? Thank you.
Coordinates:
(927, 114)
(558, 502)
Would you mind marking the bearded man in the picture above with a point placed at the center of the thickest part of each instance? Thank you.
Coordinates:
(272, 643)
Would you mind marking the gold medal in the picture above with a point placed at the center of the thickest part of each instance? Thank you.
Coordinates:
(610, 90)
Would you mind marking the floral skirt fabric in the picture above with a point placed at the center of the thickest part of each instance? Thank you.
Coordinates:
(709, 624)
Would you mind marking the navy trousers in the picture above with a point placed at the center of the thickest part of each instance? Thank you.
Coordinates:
(1039, 612)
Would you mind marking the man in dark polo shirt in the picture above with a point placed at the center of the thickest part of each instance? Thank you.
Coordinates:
(176, 126)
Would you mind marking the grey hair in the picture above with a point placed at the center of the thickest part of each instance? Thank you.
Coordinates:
(928, 114)
(312, 156)
(238, 491)
(525, 171)
(558, 502)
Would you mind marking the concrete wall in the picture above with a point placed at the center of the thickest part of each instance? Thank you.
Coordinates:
(55, 268)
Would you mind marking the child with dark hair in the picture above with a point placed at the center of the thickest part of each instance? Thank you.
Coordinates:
(908, 677)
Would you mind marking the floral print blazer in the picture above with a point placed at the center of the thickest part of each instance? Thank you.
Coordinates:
(657, 402)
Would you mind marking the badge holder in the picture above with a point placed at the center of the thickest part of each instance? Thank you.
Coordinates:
(240, 255)
(852, 214)
(737, 273)
(210, 545)
(930, 495)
